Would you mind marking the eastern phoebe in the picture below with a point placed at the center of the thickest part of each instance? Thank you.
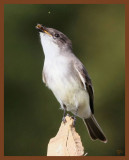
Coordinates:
(68, 79)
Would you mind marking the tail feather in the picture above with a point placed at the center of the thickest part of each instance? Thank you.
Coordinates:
(94, 129)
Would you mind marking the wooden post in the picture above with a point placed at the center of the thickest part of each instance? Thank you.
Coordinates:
(67, 142)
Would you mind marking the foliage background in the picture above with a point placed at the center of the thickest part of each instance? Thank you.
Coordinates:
(32, 114)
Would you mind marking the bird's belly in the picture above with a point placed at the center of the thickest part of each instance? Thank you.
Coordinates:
(64, 88)
(69, 91)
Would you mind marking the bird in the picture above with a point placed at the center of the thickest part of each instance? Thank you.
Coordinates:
(66, 76)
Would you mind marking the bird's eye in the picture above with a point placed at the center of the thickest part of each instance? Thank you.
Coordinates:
(57, 35)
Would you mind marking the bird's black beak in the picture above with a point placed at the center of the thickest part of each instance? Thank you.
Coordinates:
(43, 29)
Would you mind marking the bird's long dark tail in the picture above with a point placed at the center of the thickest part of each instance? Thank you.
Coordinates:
(94, 129)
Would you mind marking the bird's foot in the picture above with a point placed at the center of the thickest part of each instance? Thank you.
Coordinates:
(64, 120)
(74, 120)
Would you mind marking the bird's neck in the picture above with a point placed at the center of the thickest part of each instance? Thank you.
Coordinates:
(51, 50)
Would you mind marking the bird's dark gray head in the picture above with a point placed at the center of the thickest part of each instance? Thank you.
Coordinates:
(52, 36)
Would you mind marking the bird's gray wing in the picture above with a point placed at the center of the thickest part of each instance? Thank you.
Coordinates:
(86, 81)
(44, 77)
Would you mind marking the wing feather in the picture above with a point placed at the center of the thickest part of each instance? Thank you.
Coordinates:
(86, 81)
(44, 77)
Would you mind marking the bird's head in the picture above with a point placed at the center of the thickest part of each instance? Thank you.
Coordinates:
(53, 40)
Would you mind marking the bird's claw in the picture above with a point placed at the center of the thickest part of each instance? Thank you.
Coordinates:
(74, 120)
(64, 120)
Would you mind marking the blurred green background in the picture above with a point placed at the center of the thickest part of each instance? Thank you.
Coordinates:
(32, 114)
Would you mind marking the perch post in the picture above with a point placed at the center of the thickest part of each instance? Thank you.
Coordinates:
(67, 142)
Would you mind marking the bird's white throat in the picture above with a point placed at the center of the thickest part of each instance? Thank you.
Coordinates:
(50, 48)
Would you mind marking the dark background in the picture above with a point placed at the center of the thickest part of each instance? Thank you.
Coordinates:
(32, 114)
